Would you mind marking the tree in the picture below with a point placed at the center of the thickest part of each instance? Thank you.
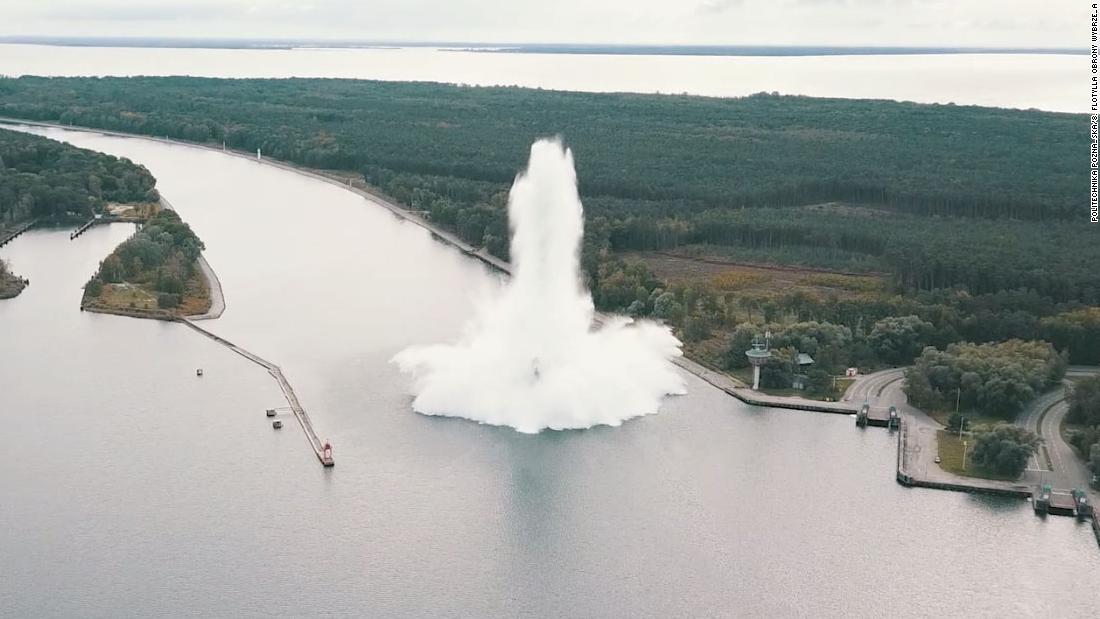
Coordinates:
(819, 381)
(666, 307)
(740, 341)
(994, 379)
(1084, 402)
(778, 372)
(695, 329)
(957, 422)
(898, 339)
(94, 287)
(168, 300)
(1005, 449)
(1094, 460)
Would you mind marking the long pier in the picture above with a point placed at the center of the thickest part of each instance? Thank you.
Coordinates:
(15, 233)
(83, 228)
(319, 448)
(95, 221)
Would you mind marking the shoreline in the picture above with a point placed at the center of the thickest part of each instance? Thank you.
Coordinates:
(213, 284)
(720, 380)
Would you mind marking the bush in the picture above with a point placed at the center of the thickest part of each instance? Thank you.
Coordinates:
(94, 287)
(1005, 449)
(168, 300)
(819, 381)
(956, 422)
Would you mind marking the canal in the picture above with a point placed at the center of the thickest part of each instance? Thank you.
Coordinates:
(129, 486)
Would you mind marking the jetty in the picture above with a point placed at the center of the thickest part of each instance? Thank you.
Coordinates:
(15, 233)
(88, 224)
(323, 450)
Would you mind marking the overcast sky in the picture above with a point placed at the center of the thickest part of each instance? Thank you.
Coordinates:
(1001, 23)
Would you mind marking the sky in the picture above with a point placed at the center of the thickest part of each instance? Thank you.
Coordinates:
(949, 23)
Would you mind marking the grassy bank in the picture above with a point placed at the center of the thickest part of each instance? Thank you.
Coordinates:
(951, 448)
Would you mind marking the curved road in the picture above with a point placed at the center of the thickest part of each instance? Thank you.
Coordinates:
(1060, 467)
(869, 387)
(1056, 463)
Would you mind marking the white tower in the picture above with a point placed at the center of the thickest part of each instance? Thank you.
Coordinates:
(758, 355)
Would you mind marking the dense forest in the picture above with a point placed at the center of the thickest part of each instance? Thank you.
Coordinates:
(153, 269)
(993, 380)
(1084, 412)
(52, 181)
(951, 192)
(972, 217)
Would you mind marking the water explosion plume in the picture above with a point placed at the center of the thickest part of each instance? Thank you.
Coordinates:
(531, 358)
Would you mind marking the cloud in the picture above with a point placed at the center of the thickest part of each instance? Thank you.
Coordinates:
(145, 11)
(993, 23)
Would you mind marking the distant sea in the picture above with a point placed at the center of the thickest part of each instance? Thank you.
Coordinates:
(1044, 79)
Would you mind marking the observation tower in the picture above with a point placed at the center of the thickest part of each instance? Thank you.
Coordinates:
(758, 355)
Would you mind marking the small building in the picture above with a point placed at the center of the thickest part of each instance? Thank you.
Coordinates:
(801, 380)
(851, 372)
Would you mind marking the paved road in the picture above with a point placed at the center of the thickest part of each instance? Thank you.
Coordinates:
(867, 388)
(1057, 463)
(1029, 418)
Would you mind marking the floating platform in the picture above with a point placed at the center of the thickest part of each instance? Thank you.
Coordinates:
(883, 417)
(1062, 504)
(1059, 502)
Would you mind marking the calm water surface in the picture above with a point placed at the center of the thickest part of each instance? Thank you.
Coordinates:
(1043, 81)
(130, 487)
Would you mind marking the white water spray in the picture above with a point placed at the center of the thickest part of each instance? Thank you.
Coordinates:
(531, 358)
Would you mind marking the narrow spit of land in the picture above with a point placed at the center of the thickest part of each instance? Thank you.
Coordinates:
(155, 273)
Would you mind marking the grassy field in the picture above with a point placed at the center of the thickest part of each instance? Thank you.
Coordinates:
(974, 419)
(950, 450)
(128, 296)
(692, 265)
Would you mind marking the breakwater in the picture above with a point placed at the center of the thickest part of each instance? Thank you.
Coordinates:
(321, 449)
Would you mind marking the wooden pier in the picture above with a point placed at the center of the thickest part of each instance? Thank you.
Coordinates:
(83, 228)
(18, 231)
(322, 450)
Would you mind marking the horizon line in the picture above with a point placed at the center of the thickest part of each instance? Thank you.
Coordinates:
(537, 47)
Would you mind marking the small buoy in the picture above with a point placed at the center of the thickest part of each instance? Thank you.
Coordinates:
(198, 372)
(277, 424)
(271, 412)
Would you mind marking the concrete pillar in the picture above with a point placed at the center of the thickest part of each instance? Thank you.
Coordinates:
(755, 377)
